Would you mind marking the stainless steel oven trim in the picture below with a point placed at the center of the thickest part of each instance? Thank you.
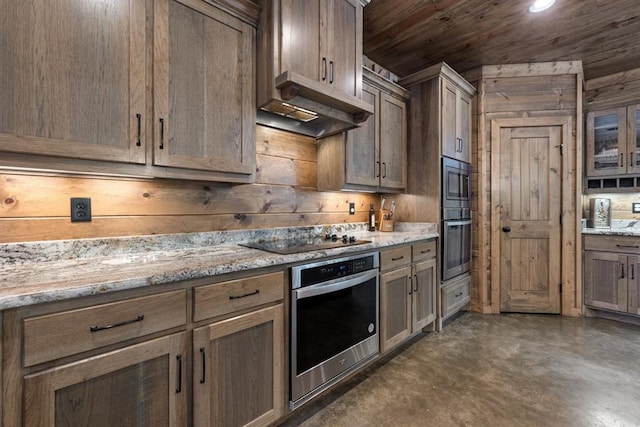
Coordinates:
(458, 270)
(296, 271)
(465, 168)
(335, 285)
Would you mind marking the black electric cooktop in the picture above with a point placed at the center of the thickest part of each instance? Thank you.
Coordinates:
(294, 246)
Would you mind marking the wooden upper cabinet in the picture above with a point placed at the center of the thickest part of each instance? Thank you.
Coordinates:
(456, 122)
(72, 78)
(374, 155)
(204, 93)
(322, 40)
(613, 141)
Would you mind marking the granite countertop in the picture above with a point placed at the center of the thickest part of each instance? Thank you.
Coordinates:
(619, 227)
(48, 271)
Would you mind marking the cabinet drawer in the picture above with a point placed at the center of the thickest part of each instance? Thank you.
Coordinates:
(629, 245)
(393, 258)
(62, 334)
(227, 297)
(425, 250)
(455, 296)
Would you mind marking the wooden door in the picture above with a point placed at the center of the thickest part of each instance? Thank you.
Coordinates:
(393, 142)
(302, 38)
(204, 94)
(362, 155)
(528, 168)
(423, 294)
(605, 282)
(345, 45)
(140, 385)
(72, 79)
(239, 370)
(395, 307)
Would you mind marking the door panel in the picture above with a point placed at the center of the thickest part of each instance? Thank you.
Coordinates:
(529, 221)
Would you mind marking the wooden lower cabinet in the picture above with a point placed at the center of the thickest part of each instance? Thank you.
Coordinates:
(456, 293)
(611, 281)
(239, 370)
(407, 292)
(139, 385)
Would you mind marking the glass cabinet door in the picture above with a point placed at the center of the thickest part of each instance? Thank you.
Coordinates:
(633, 125)
(606, 142)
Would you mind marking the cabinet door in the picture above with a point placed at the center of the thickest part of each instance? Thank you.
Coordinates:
(238, 370)
(423, 294)
(204, 94)
(463, 124)
(72, 79)
(362, 156)
(633, 293)
(140, 385)
(303, 37)
(395, 308)
(393, 142)
(345, 45)
(606, 142)
(633, 138)
(605, 280)
(449, 112)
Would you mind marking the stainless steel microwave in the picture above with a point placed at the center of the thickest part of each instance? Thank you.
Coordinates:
(456, 183)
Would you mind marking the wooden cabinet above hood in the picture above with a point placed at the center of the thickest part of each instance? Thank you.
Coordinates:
(310, 66)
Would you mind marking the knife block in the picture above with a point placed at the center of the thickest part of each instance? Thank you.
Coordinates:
(386, 223)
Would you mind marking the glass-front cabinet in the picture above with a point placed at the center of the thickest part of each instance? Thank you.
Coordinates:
(613, 141)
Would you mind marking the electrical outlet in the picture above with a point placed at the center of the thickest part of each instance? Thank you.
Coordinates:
(635, 207)
(80, 209)
(352, 208)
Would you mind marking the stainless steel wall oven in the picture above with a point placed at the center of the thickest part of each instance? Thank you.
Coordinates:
(334, 321)
(456, 218)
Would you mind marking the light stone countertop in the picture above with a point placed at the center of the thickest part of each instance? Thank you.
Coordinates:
(39, 272)
(612, 231)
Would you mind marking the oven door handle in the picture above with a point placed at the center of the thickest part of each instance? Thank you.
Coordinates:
(335, 285)
(454, 223)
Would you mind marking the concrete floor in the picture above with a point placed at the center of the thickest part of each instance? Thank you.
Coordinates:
(496, 370)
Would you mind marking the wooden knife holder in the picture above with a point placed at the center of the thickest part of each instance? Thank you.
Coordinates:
(386, 221)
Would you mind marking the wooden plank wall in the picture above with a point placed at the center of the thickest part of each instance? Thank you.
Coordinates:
(37, 207)
(527, 90)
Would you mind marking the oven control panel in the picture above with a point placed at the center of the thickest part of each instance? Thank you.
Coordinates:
(334, 269)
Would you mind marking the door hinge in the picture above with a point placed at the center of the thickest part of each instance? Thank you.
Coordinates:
(560, 148)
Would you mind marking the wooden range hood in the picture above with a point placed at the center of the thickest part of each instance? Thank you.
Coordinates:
(309, 72)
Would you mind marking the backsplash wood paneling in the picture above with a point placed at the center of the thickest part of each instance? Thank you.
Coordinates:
(36, 207)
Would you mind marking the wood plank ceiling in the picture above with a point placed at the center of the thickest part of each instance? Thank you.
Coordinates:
(405, 36)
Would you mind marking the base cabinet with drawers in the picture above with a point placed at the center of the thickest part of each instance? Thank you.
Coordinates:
(611, 268)
(130, 360)
(456, 293)
(408, 277)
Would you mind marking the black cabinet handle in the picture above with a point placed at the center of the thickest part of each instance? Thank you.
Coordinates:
(331, 72)
(138, 141)
(415, 276)
(324, 69)
(621, 160)
(179, 385)
(256, 292)
(425, 252)
(631, 159)
(378, 169)
(633, 272)
(622, 270)
(628, 246)
(96, 328)
(398, 258)
(384, 169)
(161, 133)
(506, 229)
(204, 365)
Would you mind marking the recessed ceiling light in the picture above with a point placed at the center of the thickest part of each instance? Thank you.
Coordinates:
(541, 5)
